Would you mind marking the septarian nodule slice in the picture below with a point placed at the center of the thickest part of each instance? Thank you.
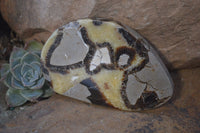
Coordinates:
(104, 63)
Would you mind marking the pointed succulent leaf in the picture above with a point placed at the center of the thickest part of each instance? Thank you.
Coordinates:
(39, 83)
(29, 58)
(26, 82)
(25, 67)
(15, 62)
(14, 98)
(17, 84)
(16, 55)
(8, 79)
(16, 71)
(47, 90)
(30, 72)
(34, 46)
(31, 75)
(35, 76)
(4, 70)
(37, 67)
(17, 52)
(38, 53)
(31, 95)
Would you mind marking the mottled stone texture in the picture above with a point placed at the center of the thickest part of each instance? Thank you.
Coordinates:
(172, 26)
(61, 114)
(39, 18)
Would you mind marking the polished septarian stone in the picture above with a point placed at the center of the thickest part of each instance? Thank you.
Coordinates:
(105, 63)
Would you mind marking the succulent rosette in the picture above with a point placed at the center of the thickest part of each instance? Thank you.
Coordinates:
(24, 77)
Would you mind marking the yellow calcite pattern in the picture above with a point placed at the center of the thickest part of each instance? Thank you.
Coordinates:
(108, 54)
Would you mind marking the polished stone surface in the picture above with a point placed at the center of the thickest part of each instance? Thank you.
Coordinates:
(121, 67)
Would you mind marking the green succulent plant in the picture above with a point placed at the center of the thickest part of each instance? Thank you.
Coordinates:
(23, 76)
